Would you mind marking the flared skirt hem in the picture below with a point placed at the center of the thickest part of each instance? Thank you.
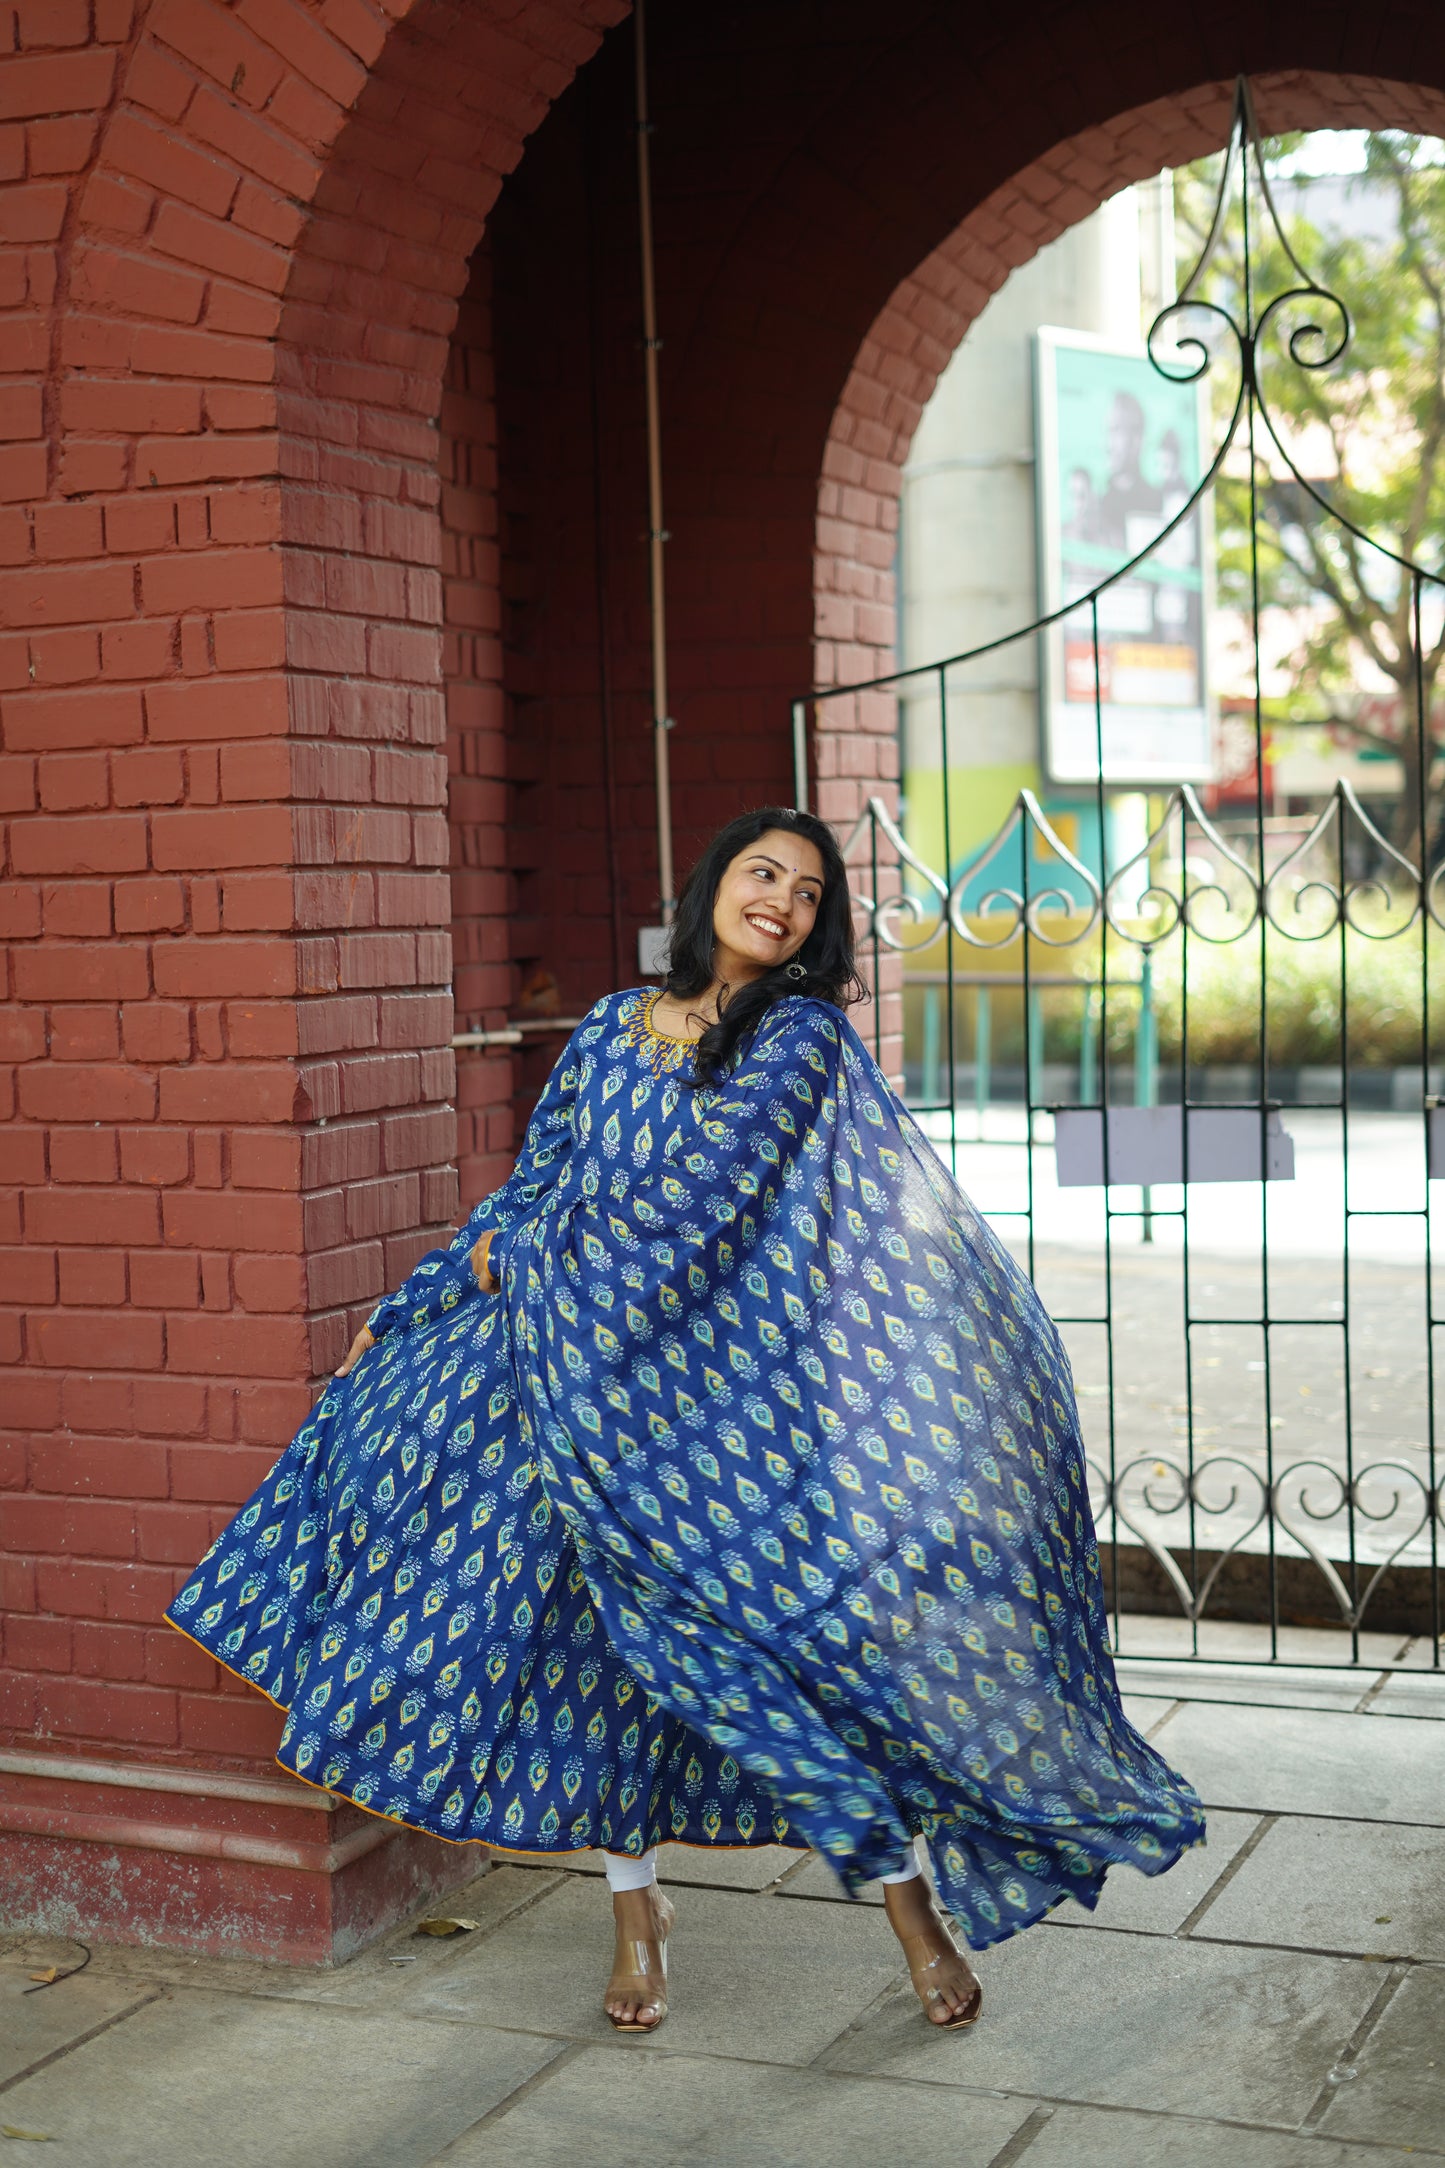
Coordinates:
(540, 1850)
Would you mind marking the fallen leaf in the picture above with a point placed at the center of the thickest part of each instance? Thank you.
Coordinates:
(447, 1927)
(43, 1979)
(1384, 1919)
(36, 2137)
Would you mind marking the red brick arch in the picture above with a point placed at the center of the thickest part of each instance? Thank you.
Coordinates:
(249, 540)
(234, 251)
(249, 227)
(925, 320)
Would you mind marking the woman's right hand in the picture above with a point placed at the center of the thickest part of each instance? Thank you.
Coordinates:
(480, 1266)
(364, 1339)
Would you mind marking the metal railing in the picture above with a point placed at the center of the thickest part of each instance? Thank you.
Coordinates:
(1287, 1469)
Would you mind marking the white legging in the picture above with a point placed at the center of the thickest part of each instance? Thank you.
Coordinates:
(624, 1872)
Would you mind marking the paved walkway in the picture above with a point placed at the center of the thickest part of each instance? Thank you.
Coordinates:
(1278, 2001)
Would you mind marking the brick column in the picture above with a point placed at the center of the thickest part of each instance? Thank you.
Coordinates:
(476, 742)
(225, 1046)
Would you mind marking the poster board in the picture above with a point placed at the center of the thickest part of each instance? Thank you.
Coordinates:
(1119, 449)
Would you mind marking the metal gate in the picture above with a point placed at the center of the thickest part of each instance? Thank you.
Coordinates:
(1241, 1255)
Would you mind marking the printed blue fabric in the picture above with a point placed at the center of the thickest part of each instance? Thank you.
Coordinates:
(753, 1509)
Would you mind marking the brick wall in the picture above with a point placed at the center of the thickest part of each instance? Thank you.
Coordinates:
(225, 894)
(246, 537)
(477, 750)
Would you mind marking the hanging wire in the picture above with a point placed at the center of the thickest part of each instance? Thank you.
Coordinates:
(656, 531)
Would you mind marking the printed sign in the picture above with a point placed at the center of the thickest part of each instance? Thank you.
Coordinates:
(1120, 449)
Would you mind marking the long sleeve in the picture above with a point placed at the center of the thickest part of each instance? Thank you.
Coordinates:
(444, 1278)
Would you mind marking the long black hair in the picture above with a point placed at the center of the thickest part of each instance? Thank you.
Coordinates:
(826, 955)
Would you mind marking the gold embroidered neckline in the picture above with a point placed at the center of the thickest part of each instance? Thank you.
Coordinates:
(668, 1038)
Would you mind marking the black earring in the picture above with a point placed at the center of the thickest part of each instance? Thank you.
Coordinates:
(797, 972)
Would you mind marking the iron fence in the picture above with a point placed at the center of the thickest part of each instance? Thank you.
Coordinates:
(1242, 1255)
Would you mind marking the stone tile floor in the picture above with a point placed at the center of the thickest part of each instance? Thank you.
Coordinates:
(1276, 2002)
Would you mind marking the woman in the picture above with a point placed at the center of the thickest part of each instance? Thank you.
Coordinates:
(721, 1483)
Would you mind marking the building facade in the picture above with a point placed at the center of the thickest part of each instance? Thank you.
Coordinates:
(324, 712)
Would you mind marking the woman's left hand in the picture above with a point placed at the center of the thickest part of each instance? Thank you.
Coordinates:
(364, 1339)
(480, 1266)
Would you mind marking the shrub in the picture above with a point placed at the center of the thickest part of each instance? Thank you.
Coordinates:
(1382, 1000)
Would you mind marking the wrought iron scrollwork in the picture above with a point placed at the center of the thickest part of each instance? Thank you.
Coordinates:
(1339, 896)
(1182, 908)
(1306, 1495)
(1345, 1526)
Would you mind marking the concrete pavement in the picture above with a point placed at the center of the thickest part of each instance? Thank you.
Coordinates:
(1278, 2001)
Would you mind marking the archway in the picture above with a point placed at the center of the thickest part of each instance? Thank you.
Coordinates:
(929, 313)
(228, 568)
(853, 751)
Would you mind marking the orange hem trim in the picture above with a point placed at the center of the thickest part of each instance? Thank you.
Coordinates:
(235, 1674)
(509, 1851)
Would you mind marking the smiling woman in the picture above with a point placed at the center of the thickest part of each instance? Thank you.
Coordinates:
(721, 1483)
(765, 912)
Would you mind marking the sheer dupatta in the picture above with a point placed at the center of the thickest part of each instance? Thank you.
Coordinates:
(816, 1439)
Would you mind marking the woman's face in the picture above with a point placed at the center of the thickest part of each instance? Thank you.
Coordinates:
(766, 905)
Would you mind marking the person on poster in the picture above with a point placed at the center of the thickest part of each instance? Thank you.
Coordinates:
(1130, 505)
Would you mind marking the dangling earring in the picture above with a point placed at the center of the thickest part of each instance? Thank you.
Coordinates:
(797, 971)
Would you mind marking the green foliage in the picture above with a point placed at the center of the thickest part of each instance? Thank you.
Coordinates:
(1367, 430)
(1383, 992)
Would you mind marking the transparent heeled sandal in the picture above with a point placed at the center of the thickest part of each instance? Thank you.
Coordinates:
(929, 1968)
(639, 1975)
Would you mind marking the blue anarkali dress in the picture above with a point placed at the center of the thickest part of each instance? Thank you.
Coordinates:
(752, 1509)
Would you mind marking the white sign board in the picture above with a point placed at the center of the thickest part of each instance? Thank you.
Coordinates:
(1120, 449)
(1146, 1146)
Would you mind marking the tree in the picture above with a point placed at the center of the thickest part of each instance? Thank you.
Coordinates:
(1367, 431)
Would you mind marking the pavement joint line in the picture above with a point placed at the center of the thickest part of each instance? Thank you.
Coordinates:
(1362, 1706)
(886, 1995)
(1389, 1987)
(1226, 1875)
(1014, 2148)
(1317, 1814)
(68, 2047)
(1389, 2146)
(657, 2048)
(778, 1887)
(1159, 1722)
(514, 2099)
(1240, 1942)
(1313, 1949)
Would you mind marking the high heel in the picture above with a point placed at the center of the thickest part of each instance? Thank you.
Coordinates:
(639, 1975)
(915, 1920)
(929, 1968)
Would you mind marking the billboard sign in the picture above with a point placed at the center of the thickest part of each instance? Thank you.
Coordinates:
(1119, 450)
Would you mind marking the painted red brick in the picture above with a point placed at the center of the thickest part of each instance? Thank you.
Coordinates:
(89, 1277)
(83, 1155)
(114, 843)
(96, 1340)
(59, 83)
(76, 909)
(168, 1281)
(43, 721)
(80, 971)
(449, 557)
